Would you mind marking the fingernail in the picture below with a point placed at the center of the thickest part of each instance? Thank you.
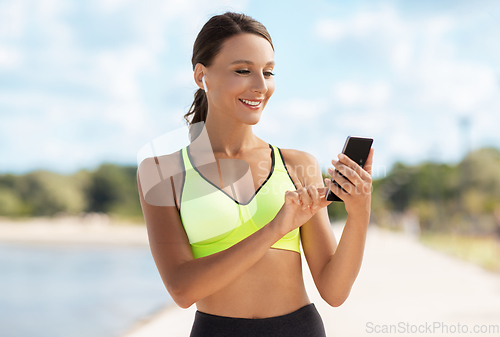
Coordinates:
(334, 162)
(330, 170)
(341, 156)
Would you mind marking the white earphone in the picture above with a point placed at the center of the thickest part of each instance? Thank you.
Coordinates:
(204, 84)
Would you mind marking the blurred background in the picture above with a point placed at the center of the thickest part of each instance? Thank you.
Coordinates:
(85, 85)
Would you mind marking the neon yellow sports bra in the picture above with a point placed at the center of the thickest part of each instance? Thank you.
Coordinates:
(214, 221)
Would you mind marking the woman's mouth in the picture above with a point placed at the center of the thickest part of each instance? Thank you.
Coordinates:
(251, 104)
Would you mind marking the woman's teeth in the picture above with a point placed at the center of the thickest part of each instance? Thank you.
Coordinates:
(250, 102)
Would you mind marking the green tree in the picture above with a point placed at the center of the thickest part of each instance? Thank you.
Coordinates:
(113, 189)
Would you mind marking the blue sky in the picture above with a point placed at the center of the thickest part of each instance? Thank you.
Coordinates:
(87, 82)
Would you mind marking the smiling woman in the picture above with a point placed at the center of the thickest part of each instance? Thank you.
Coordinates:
(248, 60)
(236, 86)
(231, 244)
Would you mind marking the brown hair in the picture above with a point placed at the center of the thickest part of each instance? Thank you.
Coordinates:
(209, 42)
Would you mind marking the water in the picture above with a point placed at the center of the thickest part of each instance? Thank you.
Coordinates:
(76, 291)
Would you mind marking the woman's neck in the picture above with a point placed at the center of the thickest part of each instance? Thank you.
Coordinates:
(229, 138)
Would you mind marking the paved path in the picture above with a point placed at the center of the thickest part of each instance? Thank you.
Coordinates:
(401, 283)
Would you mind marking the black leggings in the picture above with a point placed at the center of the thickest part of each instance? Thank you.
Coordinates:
(304, 322)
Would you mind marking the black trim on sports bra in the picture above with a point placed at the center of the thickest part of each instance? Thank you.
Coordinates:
(283, 160)
(217, 187)
(183, 180)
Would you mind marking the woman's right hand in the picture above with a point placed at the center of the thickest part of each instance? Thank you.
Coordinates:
(300, 205)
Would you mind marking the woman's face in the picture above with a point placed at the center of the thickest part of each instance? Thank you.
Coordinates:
(240, 80)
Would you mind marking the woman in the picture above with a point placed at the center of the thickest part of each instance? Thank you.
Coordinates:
(233, 248)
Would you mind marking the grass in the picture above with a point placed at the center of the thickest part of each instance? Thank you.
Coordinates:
(483, 251)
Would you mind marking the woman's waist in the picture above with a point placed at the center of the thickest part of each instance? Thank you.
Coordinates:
(254, 305)
(265, 290)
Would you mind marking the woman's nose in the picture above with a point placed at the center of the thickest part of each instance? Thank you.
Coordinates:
(259, 84)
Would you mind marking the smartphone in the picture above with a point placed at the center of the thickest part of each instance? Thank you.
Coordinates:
(358, 149)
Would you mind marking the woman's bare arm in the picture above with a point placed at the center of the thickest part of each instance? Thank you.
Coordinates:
(334, 268)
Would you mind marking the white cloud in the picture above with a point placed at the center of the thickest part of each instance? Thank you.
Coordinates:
(304, 109)
(295, 122)
(48, 18)
(10, 58)
(108, 6)
(402, 55)
(352, 94)
(460, 86)
(12, 19)
(116, 72)
(105, 85)
(348, 93)
(153, 21)
(330, 30)
(381, 23)
(421, 52)
(131, 118)
(433, 81)
(184, 77)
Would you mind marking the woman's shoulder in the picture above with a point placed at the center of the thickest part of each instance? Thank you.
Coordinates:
(297, 157)
(155, 176)
(162, 167)
(169, 164)
(300, 164)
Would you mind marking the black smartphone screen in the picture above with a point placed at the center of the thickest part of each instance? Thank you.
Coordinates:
(358, 149)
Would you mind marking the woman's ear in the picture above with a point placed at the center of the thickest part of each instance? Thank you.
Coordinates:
(199, 74)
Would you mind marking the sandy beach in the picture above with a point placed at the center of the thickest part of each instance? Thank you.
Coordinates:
(88, 229)
(403, 286)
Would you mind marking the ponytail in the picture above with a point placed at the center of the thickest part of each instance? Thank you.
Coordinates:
(198, 109)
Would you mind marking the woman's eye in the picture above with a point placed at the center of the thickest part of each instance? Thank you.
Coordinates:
(246, 72)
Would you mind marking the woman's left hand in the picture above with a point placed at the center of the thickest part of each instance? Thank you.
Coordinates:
(357, 186)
